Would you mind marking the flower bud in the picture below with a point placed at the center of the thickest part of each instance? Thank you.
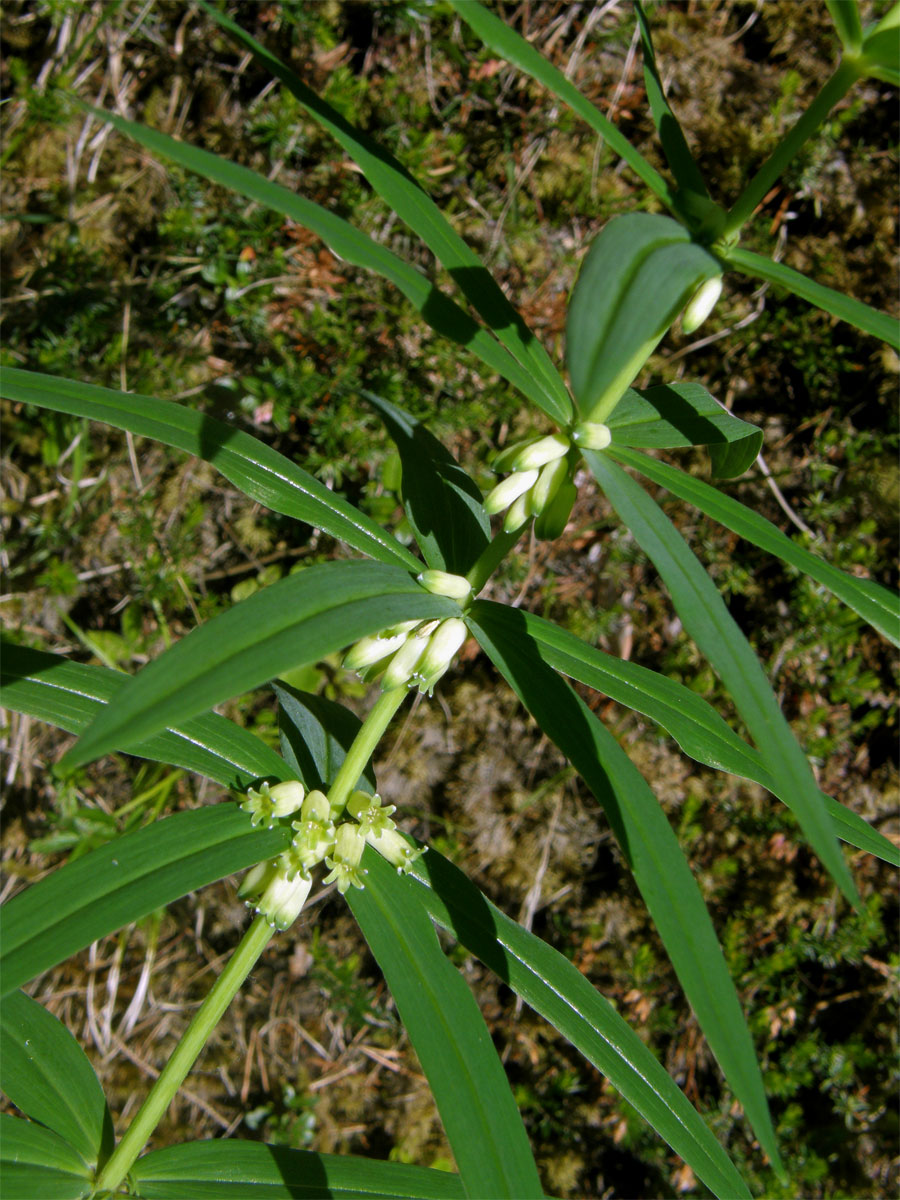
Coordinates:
(517, 513)
(402, 666)
(371, 650)
(508, 455)
(345, 859)
(283, 899)
(508, 491)
(442, 646)
(543, 451)
(257, 880)
(396, 849)
(442, 583)
(552, 521)
(701, 304)
(547, 485)
(592, 435)
(270, 803)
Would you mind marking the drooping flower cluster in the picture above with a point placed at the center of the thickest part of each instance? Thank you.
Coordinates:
(279, 888)
(414, 653)
(540, 484)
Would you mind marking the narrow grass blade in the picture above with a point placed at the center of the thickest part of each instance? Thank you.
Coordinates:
(37, 1163)
(443, 504)
(445, 1026)
(651, 851)
(708, 622)
(854, 312)
(436, 308)
(502, 40)
(252, 1171)
(693, 723)
(845, 18)
(124, 881)
(70, 695)
(557, 990)
(258, 470)
(685, 414)
(417, 210)
(874, 603)
(296, 621)
(47, 1076)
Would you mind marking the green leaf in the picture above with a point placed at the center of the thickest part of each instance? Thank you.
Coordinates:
(417, 210)
(252, 1171)
(560, 993)
(295, 621)
(48, 1077)
(446, 1028)
(649, 846)
(693, 723)
(692, 200)
(845, 17)
(503, 40)
(881, 46)
(36, 1164)
(637, 276)
(685, 414)
(316, 734)
(124, 881)
(442, 502)
(861, 316)
(258, 470)
(874, 603)
(441, 313)
(70, 695)
(708, 622)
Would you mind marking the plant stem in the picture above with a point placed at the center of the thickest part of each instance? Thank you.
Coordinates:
(493, 553)
(363, 744)
(192, 1042)
(756, 190)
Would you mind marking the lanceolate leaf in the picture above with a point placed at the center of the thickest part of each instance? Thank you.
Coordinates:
(124, 881)
(253, 1171)
(650, 848)
(445, 1026)
(416, 208)
(685, 414)
(47, 1076)
(35, 1162)
(864, 317)
(348, 243)
(845, 15)
(874, 603)
(691, 721)
(70, 695)
(295, 621)
(258, 470)
(499, 37)
(443, 504)
(708, 622)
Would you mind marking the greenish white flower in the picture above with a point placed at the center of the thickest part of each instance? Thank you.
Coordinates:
(537, 454)
(277, 897)
(314, 834)
(373, 816)
(553, 520)
(442, 646)
(443, 583)
(270, 803)
(701, 304)
(394, 847)
(344, 860)
(592, 435)
(547, 485)
(403, 665)
(371, 650)
(508, 491)
(517, 513)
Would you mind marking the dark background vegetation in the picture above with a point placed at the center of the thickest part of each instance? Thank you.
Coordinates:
(120, 271)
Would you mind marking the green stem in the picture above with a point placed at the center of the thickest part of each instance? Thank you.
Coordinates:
(491, 556)
(757, 189)
(363, 745)
(192, 1042)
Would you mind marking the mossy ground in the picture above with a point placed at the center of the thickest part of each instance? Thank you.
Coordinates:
(122, 273)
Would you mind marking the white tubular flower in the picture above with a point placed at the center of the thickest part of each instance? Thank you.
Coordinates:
(373, 816)
(541, 452)
(442, 646)
(592, 435)
(283, 899)
(403, 665)
(256, 881)
(442, 583)
(270, 803)
(396, 849)
(508, 491)
(547, 485)
(315, 835)
(371, 650)
(517, 513)
(701, 304)
(345, 858)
